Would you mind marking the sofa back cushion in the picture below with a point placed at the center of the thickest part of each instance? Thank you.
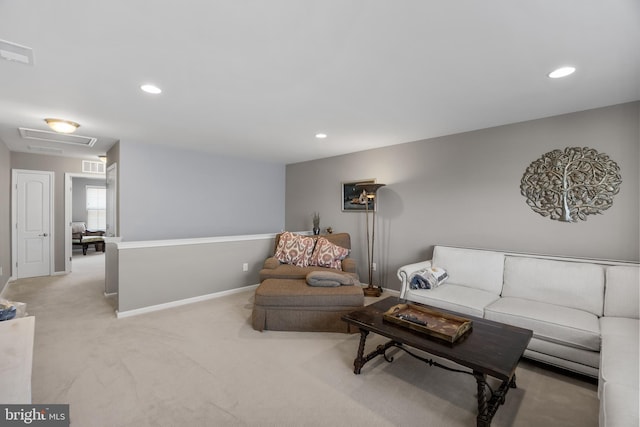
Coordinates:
(621, 296)
(473, 268)
(570, 284)
(340, 239)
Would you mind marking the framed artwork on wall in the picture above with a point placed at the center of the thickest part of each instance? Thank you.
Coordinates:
(354, 199)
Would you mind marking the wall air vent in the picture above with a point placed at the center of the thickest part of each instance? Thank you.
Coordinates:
(15, 52)
(89, 166)
(43, 135)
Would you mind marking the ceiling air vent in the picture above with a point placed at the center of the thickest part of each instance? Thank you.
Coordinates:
(45, 149)
(43, 135)
(89, 166)
(15, 52)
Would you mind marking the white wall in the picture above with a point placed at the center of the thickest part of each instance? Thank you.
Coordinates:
(167, 193)
(5, 215)
(464, 190)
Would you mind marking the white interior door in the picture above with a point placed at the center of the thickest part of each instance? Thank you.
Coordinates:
(33, 223)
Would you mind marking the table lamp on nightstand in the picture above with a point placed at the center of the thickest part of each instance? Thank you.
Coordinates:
(370, 191)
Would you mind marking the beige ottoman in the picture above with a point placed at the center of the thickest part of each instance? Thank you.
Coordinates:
(292, 305)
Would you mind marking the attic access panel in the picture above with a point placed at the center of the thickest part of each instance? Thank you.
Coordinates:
(42, 135)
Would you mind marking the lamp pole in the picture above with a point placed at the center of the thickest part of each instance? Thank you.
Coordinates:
(371, 189)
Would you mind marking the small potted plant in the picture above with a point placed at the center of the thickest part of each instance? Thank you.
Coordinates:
(316, 223)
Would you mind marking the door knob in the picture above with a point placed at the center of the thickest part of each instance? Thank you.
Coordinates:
(43, 235)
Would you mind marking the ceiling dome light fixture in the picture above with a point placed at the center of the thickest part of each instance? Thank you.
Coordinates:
(321, 135)
(561, 72)
(149, 88)
(62, 126)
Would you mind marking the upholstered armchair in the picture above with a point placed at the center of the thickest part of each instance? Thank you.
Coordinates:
(308, 285)
(80, 236)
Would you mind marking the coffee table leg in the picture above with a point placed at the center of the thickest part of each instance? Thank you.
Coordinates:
(483, 419)
(360, 360)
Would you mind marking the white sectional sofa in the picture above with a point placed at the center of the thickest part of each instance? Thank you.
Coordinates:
(583, 313)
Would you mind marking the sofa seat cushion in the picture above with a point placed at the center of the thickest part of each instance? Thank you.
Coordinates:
(461, 299)
(92, 239)
(571, 358)
(296, 293)
(563, 325)
(619, 405)
(619, 354)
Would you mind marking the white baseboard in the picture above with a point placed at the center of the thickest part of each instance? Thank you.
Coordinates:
(172, 304)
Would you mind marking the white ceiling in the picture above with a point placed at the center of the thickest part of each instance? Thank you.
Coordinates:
(259, 78)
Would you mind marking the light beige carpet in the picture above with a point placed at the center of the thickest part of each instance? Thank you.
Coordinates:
(203, 365)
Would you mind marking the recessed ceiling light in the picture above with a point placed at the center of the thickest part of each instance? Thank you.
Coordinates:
(62, 126)
(149, 88)
(561, 72)
(321, 135)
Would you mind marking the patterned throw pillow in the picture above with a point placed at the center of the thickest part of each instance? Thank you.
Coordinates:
(294, 249)
(326, 254)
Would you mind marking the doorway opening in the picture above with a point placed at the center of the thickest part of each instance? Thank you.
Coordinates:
(85, 202)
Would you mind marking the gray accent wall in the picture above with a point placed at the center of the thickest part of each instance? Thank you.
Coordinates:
(464, 190)
(5, 215)
(167, 193)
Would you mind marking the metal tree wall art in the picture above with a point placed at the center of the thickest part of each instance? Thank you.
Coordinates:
(571, 184)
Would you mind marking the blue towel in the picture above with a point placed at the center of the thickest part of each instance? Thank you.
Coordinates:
(428, 278)
(419, 282)
(7, 312)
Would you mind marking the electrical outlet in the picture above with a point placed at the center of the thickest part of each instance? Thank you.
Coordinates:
(374, 267)
(0, 270)
(245, 267)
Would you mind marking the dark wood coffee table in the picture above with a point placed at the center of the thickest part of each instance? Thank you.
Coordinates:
(489, 349)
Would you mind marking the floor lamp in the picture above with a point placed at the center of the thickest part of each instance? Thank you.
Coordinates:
(370, 190)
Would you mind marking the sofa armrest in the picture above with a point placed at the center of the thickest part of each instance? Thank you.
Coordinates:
(406, 271)
(271, 263)
(349, 265)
